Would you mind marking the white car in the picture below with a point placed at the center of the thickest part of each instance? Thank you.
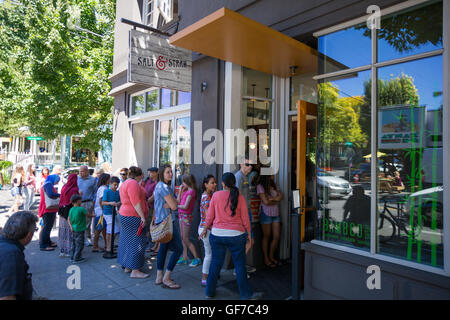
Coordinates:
(432, 204)
(337, 187)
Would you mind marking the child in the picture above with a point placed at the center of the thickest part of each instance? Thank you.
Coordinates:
(209, 186)
(186, 202)
(111, 198)
(77, 222)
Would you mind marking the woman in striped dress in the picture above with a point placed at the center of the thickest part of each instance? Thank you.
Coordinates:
(132, 214)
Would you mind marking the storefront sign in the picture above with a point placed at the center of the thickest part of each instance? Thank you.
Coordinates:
(401, 127)
(155, 62)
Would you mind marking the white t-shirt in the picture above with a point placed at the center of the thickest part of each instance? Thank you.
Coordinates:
(98, 209)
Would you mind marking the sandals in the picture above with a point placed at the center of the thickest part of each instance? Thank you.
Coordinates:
(160, 283)
(271, 265)
(171, 285)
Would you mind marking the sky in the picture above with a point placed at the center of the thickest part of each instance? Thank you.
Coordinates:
(352, 49)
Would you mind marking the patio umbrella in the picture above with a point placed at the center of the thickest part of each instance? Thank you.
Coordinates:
(379, 155)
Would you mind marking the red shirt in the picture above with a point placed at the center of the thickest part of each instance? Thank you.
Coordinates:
(131, 193)
(219, 213)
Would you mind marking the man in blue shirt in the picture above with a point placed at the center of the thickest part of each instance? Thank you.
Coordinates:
(88, 188)
(15, 281)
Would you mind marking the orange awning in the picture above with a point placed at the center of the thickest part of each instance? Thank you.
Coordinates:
(232, 37)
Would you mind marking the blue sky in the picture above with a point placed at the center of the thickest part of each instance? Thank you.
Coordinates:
(352, 49)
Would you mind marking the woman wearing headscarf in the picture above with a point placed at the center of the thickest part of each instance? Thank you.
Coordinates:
(64, 231)
(48, 215)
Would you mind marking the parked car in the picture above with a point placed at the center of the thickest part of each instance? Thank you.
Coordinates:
(76, 170)
(333, 185)
(431, 202)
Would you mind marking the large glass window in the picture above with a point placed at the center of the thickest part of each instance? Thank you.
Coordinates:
(409, 151)
(345, 49)
(410, 173)
(343, 172)
(165, 142)
(138, 104)
(412, 31)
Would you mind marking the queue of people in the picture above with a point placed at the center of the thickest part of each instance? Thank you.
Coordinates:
(86, 204)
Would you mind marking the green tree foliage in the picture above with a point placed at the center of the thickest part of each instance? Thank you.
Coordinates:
(341, 116)
(411, 29)
(53, 71)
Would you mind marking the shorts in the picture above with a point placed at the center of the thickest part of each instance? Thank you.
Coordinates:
(108, 220)
(265, 219)
(185, 218)
(97, 226)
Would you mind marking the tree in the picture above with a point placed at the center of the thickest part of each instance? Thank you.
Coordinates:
(341, 117)
(411, 29)
(56, 78)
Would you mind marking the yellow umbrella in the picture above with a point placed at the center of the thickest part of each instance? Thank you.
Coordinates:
(379, 155)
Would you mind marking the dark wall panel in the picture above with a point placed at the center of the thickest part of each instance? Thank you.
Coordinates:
(206, 107)
(333, 274)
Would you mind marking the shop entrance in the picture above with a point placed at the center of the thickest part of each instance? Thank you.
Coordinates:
(302, 149)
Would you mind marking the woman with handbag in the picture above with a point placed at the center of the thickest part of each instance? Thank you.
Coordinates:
(165, 201)
(48, 208)
(132, 217)
(64, 231)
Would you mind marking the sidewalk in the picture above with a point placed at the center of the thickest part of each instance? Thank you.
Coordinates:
(103, 279)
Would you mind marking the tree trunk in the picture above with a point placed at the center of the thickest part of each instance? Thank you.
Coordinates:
(91, 158)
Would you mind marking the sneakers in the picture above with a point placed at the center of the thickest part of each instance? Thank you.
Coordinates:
(78, 261)
(182, 261)
(195, 263)
(64, 255)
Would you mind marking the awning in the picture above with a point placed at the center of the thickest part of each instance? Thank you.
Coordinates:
(232, 37)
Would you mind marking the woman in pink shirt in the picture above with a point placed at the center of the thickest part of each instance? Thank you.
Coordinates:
(132, 214)
(229, 222)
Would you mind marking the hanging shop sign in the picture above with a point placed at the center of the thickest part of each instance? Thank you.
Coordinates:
(153, 61)
(401, 127)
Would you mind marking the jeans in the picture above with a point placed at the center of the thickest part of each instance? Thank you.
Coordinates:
(29, 198)
(48, 220)
(175, 245)
(208, 251)
(219, 246)
(77, 245)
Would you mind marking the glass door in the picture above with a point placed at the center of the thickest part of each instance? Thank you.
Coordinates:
(182, 150)
(165, 142)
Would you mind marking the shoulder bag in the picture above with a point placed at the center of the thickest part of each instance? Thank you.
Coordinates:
(163, 231)
(51, 204)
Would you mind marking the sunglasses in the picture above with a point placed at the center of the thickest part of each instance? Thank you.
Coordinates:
(248, 165)
(123, 174)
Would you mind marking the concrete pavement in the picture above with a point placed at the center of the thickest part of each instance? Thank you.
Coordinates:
(103, 279)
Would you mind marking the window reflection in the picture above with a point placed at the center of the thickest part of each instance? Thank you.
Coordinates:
(345, 49)
(137, 104)
(410, 161)
(410, 32)
(343, 173)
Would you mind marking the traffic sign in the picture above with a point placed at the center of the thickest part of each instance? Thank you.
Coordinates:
(35, 138)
